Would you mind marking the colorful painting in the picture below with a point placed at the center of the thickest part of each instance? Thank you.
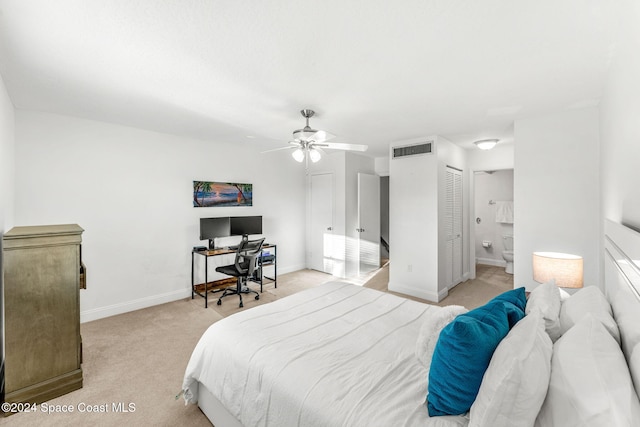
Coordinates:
(216, 194)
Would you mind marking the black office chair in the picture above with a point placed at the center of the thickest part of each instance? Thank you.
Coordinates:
(243, 267)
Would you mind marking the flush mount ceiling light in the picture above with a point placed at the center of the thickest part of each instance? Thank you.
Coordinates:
(486, 144)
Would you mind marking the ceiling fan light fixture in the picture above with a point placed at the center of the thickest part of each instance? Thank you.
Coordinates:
(486, 144)
(314, 155)
(298, 155)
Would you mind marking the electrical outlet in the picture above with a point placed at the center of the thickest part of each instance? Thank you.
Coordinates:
(409, 268)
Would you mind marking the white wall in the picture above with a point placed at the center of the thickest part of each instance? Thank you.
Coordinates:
(131, 190)
(413, 224)
(416, 185)
(381, 165)
(7, 148)
(556, 190)
(7, 144)
(499, 157)
(620, 123)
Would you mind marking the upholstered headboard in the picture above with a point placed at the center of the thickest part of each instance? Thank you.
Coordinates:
(622, 287)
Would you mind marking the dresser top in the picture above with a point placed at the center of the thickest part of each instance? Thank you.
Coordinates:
(42, 231)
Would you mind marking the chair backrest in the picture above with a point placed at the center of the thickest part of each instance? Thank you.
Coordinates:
(247, 255)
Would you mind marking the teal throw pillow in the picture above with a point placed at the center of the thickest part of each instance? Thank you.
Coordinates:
(464, 349)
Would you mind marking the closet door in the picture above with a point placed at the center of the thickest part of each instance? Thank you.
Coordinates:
(453, 226)
(321, 246)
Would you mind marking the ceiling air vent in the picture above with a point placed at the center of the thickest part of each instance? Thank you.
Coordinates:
(412, 150)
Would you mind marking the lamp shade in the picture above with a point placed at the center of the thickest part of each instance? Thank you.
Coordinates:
(565, 269)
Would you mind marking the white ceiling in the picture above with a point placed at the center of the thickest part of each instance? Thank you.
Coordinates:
(239, 71)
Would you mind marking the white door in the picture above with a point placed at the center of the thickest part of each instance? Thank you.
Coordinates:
(453, 226)
(321, 228)
(368, 230)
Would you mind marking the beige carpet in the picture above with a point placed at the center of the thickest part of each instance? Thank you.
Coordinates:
(489, 282)
(139, 358)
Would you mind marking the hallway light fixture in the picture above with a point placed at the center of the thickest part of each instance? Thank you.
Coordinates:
(486, 144)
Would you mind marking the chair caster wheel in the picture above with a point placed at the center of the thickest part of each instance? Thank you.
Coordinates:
(257, 297)
(219, 302)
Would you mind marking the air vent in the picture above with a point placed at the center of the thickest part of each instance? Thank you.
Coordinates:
(412, 150)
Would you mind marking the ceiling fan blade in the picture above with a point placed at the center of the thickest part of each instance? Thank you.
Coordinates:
(341, 146)
(277, 149)
(321, 136)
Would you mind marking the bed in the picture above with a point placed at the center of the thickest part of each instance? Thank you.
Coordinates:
(343, 355)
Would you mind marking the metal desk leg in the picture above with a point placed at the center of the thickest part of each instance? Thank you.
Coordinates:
(193, 285)
(206, 281)
(260, 269)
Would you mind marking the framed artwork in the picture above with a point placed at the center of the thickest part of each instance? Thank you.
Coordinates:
(218, 194)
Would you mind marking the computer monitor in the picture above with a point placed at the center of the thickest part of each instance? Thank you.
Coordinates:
(210, 228)
(241, 225)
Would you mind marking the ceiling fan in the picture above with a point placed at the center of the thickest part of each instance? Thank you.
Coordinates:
(309, 143)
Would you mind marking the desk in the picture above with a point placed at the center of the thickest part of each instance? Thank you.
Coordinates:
(259, 276)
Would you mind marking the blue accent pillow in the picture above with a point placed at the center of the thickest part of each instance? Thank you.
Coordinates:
(464, 349)
(517, 297)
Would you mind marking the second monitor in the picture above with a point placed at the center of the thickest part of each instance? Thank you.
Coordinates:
(241, 225)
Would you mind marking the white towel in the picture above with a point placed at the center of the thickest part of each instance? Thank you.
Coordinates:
(504, 212)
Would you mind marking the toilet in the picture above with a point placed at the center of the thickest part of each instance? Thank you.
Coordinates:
(507, 254)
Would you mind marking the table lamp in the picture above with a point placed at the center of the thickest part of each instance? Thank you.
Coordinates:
(566, 269)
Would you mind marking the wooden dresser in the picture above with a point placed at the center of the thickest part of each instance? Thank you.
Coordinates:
(42, 279)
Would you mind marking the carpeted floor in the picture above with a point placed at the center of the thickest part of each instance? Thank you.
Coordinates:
(489, 282)
(137, 360)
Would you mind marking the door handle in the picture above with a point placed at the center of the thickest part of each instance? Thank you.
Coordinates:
(329, 228)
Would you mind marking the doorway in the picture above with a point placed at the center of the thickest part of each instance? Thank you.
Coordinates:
(368, 223)
(491, 188)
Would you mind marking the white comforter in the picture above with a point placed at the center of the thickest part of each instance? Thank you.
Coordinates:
(335, 355)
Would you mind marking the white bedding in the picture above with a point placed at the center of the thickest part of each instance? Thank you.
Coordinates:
(335, 355)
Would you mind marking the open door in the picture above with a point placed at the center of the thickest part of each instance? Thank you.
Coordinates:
(368, 230)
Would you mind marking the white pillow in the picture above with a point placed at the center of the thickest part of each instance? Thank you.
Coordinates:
(546, 298)
(588, 300)
(590, 382)
(430, 331)
(564, 295)
(515, 384)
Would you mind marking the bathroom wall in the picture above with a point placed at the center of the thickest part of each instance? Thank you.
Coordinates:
(491, 186)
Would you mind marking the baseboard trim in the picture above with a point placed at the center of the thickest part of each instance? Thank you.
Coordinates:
(137, 304)
(491, 261)
(425, 295)
(150, 301)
